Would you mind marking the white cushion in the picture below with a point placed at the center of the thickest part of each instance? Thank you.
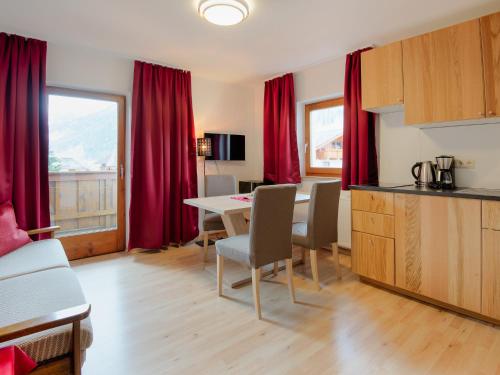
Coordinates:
(236, 248)
(35, 295)
(33, 257)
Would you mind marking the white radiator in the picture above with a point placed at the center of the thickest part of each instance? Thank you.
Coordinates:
(344, 225)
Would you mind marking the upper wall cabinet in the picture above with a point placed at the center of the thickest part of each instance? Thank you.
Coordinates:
(443, 75)
(382, 72)
(490, 35)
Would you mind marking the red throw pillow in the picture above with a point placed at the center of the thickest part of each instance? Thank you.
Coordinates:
(13, 361)
(11, 237)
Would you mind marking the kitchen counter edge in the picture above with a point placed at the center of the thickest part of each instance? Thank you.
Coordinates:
(467, 193)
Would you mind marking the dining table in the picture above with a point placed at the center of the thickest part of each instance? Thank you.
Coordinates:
(235, 213)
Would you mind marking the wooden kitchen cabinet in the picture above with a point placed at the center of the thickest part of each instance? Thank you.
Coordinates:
(490, 37)
(373, 257)
(438, 248)
(372, 248)
(369, 222)
(373, 201)
(443, 75)
(491, 215)
(382, 76)
(491, 274)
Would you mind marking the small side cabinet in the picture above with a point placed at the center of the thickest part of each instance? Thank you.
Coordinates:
(372, 247)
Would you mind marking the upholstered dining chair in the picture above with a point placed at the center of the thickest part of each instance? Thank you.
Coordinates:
(321, 227)
(269, 239)
(215, 185)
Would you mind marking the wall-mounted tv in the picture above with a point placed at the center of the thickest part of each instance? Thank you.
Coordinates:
(226, 146)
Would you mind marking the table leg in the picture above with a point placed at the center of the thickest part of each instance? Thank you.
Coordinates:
(235, 224)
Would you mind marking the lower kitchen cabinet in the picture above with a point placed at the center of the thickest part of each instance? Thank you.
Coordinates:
(373, 257)
(491, 274)
(438, 248)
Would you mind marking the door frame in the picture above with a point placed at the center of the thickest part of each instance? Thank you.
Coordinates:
(101, 242)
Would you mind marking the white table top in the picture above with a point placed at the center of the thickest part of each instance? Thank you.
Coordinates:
(224, 205)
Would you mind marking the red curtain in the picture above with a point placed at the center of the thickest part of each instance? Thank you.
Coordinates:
(359, 165)
(163, 158)
(281, 156)
(24, 138)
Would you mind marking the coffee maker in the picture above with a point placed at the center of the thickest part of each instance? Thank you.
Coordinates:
(445, 172)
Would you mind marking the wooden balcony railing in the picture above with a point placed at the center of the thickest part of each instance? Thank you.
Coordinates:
(329, 154)
(83, 202)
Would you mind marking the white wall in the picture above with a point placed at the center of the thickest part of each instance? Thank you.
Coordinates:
(217, 106)
(400, 146)
(321, 81)
(227, 108)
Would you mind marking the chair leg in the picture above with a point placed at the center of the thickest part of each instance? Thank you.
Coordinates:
(256, 291)
(220, 273)
(275, 269)
(76, 350)
(336, 259)
(289, 275)
(205, 246)
(314, 267)
(303, 255)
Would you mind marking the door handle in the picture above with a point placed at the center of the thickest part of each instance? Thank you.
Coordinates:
(122, 171)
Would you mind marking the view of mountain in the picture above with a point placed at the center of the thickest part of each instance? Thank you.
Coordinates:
(84, 143)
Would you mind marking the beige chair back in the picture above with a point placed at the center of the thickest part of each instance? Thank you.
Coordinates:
(216, 185)
(322, 222)
(271, 224)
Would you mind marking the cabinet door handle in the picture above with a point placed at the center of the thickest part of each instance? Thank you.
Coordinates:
(491, 113)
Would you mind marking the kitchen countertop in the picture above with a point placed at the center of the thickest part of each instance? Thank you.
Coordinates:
(470, 193)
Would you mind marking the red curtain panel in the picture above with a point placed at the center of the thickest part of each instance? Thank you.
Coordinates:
(359, 165)
(281, 156)
(163, 159)
(24, 138)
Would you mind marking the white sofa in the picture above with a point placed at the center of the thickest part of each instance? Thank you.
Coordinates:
(42, 306)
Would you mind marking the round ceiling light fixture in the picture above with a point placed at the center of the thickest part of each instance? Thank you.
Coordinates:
(224, 12)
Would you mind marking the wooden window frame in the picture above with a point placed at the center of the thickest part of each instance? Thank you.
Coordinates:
(313, 171)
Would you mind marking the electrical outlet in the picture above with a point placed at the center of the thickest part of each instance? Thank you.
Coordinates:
(465, 163)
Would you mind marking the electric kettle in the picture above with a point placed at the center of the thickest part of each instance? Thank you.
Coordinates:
(424, 173)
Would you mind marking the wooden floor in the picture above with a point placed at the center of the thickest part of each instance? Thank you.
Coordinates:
(159, 314)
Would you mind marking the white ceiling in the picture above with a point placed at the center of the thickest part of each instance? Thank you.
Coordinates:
(278, 36)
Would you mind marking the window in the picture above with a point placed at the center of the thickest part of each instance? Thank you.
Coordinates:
(324, 135)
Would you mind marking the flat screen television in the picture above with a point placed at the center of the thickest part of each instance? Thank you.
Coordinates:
(226, 146)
